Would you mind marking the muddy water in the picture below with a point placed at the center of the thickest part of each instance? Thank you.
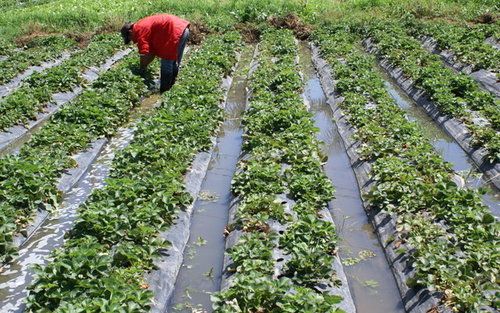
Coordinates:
(201, 271)
(445, 146)
(17, 275)
(370, 279)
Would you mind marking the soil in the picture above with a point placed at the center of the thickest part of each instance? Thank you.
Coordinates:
(291, 21)
(486, 18)
(198, 32)
(34, 30)
(249, 32)
(83, 39)
(111, 25)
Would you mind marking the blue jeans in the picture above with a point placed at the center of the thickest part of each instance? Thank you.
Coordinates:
(170, 68)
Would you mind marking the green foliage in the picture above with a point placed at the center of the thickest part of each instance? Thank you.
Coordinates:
(39, 50)
(452, 235)
(35, 93)
(253, 253)
(257, 209)
(115, 239)
(311, 243)
(453, 94)
(283, 158)
(254, 292)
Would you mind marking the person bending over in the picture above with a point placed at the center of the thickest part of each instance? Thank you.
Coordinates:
(164, 36)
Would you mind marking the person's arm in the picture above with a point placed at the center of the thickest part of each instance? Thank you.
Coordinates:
(146, 59)
(142, 35)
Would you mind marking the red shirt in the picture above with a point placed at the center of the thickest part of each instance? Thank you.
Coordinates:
(159, 35)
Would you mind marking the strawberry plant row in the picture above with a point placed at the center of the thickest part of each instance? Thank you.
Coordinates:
(443, 235)
(36, 92)
(115, 239)
(6, 48)
(487, 79)
(29, 179)
(37, 51)
(280, 247)
(12, 85)
(456, 95)
(465, 43)
(468, 43)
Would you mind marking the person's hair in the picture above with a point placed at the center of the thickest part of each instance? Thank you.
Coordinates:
(125, 31)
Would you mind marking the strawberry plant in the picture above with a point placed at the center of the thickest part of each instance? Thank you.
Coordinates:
(453, 94)
(35, 93)
(283, 159)
(451, 235)
(115, 238)
(39, 50)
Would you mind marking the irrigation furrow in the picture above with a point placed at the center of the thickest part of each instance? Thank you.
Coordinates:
(467, 173)
(418, 301)
(163, 279)
(371, 280)
(18, 275)
(348, 304)
(201, 271)
(12, 139)
(281, 238)
(487, 79)
(9, 87)
(453, 126)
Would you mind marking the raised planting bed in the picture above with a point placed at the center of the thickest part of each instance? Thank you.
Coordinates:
(12, 85)
(467, 44)
(117, 233)
(281, 242)
(453, 95)
(33, 180)
(15, 136)
(38, 51)
(439, 239)
(486, 78)
(57, 84)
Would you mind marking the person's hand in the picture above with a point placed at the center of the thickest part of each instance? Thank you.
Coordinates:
(142, 71)
(136, 70)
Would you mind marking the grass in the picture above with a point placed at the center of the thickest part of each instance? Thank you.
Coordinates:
(75, 16)
(80, 16)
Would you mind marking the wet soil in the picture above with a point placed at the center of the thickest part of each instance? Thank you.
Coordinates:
(18, 274)
(446, 147)
(370, 278)
(201, 271)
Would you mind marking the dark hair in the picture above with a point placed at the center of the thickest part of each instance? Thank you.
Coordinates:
(125, 31)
